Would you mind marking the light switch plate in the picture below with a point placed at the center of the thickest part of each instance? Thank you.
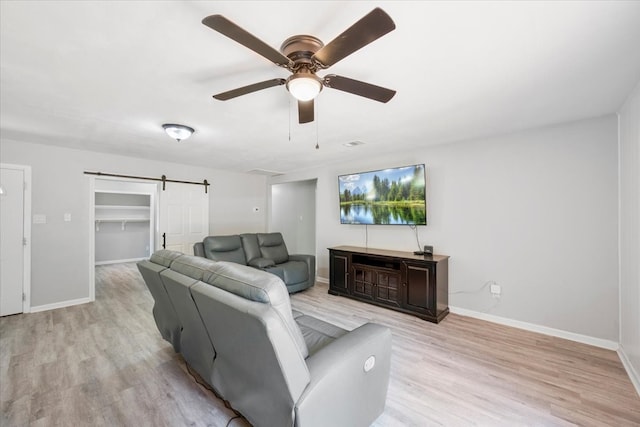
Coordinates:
(67, 217)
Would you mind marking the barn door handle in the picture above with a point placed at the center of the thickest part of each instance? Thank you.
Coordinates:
(164, 240)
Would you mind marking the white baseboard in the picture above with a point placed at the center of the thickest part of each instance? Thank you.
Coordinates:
(633, 374)
(61, 304)
(584, 339)
(322, 279)
(120, 261)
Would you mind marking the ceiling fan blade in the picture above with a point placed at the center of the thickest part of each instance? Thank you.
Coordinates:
(248, 89)
(357, 87)
(305, 111)
(222, 25)
(371, 27)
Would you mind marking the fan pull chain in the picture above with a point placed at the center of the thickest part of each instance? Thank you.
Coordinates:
(317, 112)
(289, 111)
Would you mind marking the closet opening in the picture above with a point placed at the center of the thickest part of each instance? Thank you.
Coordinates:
(123, 217)
(123, 230)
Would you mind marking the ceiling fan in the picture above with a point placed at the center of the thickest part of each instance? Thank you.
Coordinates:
(304, 55)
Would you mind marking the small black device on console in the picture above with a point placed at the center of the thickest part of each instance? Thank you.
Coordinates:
(428, 250)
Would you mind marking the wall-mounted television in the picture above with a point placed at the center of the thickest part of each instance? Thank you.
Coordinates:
(395, 196)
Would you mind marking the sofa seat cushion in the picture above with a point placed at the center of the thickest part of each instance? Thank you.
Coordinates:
(291, 272)
(260, 286)
(317, 333)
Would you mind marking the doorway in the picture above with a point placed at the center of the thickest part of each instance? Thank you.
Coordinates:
(122, 217)
(173, 218)
(293, 213)
(15, 246)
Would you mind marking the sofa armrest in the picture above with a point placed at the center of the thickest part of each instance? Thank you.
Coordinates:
(198, 249)
(345, 390)
(261, 263)
(310, 260)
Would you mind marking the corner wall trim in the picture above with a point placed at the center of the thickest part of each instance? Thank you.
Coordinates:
(60, 304)
(633, 374)
(571, 336)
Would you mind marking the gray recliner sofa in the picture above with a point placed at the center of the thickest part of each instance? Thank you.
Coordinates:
(265, 251)
(278, 367)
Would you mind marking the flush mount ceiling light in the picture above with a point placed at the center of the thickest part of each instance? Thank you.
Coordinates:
(178, 132)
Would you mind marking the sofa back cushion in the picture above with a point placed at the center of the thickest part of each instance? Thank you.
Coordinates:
(272, 247)
(258, 367)
(259, 286)
(250, 246)
(193, 266)
(165, 257)
(195, 344)
(164, 313)
(224, 248)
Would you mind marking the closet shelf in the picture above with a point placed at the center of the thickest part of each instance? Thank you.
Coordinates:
(119, 219)
(124, 221)
(127, 207)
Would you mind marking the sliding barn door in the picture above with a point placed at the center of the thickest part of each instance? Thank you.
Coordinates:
(184, 217)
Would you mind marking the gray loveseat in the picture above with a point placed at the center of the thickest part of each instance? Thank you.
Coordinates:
(265, 251)
(234, 325)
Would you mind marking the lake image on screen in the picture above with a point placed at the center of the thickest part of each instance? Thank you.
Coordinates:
(390, 196)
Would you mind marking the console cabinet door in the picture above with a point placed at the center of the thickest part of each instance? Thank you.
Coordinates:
(364, 281)
(339, 272)
(387, 289)
(419, 288)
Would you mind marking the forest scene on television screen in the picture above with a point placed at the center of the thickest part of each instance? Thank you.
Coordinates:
(392, 196)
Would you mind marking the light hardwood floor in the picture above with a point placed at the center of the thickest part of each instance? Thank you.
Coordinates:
(105, 364)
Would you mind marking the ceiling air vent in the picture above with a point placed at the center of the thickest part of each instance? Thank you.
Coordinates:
(353, 143)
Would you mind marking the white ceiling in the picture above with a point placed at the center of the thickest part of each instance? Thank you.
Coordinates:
(105, 76)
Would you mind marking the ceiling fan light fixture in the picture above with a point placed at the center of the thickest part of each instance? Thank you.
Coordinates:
(178, 132)
(304, 87)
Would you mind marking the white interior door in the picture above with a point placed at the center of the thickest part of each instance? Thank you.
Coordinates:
(184, 217)
(11, 241)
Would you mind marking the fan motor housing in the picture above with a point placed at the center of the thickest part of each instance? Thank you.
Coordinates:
(301, 48)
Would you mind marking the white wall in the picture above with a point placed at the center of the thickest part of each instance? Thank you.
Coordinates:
(535, 211)
(293, 213)
(630, 235)
(60, 260)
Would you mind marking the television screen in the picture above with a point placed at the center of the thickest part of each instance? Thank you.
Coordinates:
(388, 196)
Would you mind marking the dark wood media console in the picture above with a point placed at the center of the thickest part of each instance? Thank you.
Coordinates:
(401, 281)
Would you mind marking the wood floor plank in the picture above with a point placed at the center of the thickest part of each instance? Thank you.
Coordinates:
(105, 364)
